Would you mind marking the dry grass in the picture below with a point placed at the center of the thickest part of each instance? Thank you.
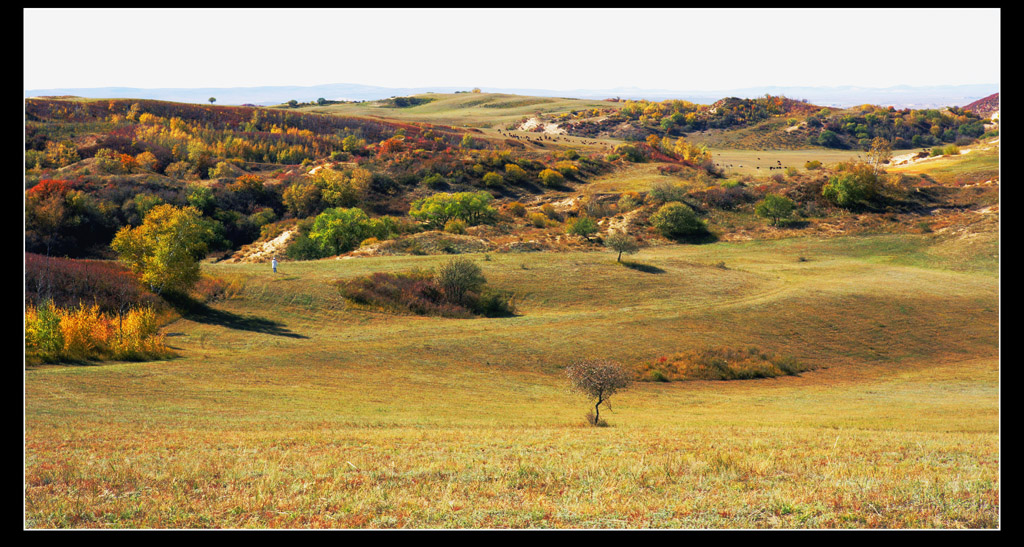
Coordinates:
(289, 410)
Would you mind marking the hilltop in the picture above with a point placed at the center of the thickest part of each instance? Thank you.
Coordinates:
(262, 176)
(834, 367)
(834, 96)
(984, 107)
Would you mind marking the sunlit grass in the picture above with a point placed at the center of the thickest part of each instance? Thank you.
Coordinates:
(290, 410)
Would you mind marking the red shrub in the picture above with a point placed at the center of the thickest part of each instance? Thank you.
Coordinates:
(68, 282)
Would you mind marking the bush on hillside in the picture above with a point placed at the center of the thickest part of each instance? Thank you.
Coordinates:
(582, 226)
(458, 290)
(775, 208)
(853, 186)
(70, 282)
(677, 220)
(54, 334)
(721, 364)
(472, 207)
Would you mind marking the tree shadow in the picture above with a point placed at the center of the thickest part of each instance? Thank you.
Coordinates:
(200, 312)
(640, 267)
(699, 238)
(793, 224)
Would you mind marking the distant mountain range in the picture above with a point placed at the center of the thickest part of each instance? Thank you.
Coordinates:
(840, 96)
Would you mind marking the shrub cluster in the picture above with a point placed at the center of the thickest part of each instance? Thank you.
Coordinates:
(56, 334)
(721, 364)
(677, 220)
(69, 282)
(458, 289)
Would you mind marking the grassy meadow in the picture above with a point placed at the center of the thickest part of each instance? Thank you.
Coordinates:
(289, 409)
(466, 109)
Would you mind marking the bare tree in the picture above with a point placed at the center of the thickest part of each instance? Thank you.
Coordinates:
(598, 379)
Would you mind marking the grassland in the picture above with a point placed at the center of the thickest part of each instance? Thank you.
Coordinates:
(287, 409)
(467, 109)
(976, 163)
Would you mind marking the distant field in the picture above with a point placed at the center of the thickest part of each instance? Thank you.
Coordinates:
(974, 163)
(467, 109)
(758, 162)
(287, 409)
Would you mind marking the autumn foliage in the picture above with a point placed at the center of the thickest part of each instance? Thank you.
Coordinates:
(84, 332)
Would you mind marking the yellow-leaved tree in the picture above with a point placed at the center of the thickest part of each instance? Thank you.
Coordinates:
(165, 250)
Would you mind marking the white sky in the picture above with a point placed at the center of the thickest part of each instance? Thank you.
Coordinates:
(582, 48)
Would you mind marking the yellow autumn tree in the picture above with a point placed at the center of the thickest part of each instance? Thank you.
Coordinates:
(165, 250)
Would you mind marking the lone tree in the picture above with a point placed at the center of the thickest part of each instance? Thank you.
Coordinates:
(775, 207)
(676, 220)
(212, 100)
(622, 243)
(583, 226)
(165, 250)
(880, 153)
(459, 276)
(598, 379)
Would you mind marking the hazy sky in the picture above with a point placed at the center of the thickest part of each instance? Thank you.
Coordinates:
(582, 48)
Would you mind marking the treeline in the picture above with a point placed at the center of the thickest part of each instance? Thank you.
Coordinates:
(95, 166)
(677, 117)
(191, 139)
(906, 128)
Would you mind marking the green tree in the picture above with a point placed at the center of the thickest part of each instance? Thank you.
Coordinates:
(621, 242)
(775, 207)
(829, 139)
(339, 230)
(857, 184)
(352, 143)
(165, 250)
(459, 276)
(212, 100)
(676, 219)
(583, 226)
(472, 207)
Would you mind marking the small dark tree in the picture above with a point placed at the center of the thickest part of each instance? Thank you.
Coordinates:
(597, 379)
(775, 207)
(622, 243)
(583, 226)
(212, 100)
(459, 276)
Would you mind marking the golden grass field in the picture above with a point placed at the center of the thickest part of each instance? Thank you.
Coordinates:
(466, 109)
(288, 409)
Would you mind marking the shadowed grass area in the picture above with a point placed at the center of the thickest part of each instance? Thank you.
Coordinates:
(641, 267)
(200, 312)
(371, 420)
